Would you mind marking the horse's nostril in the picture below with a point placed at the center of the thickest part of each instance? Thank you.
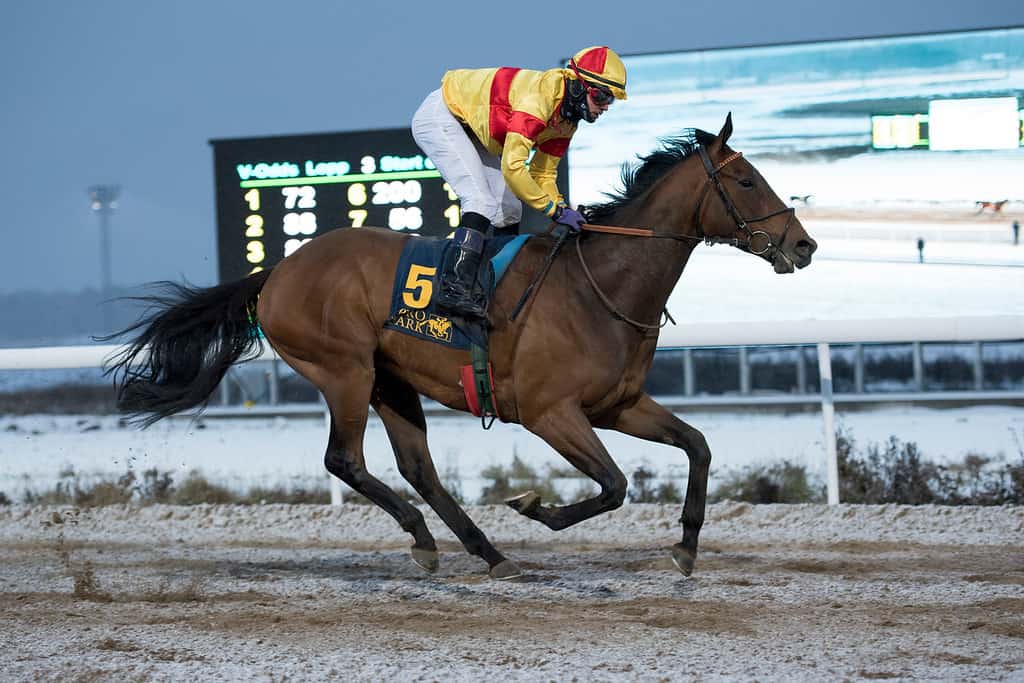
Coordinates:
(806, 247)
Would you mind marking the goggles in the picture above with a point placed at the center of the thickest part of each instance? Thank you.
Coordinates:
(600, 94)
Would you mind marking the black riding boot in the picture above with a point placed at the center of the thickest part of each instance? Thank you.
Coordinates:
(459, 292)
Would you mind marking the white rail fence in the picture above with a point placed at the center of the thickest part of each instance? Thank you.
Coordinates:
(821, 333)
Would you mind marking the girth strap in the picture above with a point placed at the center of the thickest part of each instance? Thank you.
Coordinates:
(478, 383)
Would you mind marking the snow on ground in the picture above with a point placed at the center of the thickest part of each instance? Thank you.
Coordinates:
(245, 452)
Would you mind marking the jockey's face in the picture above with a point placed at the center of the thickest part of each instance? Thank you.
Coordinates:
(596, 109)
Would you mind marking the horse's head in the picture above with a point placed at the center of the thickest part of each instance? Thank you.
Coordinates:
(738, 207)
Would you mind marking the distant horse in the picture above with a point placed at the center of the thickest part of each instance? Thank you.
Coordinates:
(575, 359)
(994, 207)
(804, 199)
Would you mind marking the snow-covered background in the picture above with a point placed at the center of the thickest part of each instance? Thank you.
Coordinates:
(243, 452)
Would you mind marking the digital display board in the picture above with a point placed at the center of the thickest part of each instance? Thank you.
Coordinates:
(929, 123)
(275, 194)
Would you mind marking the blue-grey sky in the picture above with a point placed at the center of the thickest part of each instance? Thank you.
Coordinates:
(130, 92)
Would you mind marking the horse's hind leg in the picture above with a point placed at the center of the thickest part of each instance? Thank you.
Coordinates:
(398, 406)
(649, 420)
(568, 431)
(349, 401)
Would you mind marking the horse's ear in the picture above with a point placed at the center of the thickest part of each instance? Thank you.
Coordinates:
(723, 135)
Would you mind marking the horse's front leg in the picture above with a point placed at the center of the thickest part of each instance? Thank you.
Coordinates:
(567, 430)
(399, 408)
(650, 421)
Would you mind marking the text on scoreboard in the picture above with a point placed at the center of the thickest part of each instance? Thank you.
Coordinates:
(274, 194)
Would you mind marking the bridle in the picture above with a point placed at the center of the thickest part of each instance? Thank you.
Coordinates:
(746, 241)
(742, 224)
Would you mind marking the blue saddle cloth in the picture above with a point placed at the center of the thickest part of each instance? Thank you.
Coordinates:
(412, 299)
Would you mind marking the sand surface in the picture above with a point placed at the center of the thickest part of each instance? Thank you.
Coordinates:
(272, 593)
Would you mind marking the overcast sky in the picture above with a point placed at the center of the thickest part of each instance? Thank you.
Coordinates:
(129, 93)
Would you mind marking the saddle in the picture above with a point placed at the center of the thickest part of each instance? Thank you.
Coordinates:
(414, 312)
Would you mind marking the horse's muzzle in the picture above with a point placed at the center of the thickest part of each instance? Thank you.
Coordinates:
(782, 263)
(802, 252)
(790, 257)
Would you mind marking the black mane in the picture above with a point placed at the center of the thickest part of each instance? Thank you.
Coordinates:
(638, 178)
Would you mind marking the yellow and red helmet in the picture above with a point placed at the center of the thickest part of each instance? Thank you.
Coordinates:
(600, 66)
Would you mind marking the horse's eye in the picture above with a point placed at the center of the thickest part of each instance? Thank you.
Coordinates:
(747, 183)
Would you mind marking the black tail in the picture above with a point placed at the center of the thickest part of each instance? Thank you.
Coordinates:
(189, 338)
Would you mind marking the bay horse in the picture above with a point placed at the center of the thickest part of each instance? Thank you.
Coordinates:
(575, 360)
(994, 207)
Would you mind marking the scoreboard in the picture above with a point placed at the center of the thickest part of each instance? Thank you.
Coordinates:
(274, 194)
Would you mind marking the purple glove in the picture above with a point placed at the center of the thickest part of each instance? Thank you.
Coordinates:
(571, 218)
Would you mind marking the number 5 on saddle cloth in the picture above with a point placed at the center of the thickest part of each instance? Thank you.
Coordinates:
(414, 312)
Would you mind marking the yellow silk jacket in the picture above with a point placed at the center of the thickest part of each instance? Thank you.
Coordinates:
(512, 111)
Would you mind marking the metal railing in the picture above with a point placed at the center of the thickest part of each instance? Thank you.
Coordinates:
(822, 334)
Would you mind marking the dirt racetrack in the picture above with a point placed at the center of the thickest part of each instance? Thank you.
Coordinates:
(272, 593)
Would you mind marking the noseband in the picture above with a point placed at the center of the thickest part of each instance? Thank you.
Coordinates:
(742, 224)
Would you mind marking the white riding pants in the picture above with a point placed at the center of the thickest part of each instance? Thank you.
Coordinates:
(473, 173)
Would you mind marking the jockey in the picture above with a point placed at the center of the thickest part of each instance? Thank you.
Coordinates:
(480, 128)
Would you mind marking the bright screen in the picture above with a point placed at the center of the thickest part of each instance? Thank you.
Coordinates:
(902, 156)
(980, 123)
(852, 123)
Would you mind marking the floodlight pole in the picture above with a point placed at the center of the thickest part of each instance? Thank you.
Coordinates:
(103, 200)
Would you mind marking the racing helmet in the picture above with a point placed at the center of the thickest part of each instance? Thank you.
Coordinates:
(601, 68)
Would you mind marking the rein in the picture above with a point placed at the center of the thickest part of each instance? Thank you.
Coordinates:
(616, 313)
(742, 226)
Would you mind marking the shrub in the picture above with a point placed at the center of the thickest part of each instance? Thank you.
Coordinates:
(896, 473)
(893, 472)
(518, 477)
(195, 490)
(780, 482)
(70, 490)
(406, 494)
(155, 487)
(642, 490)
(278, 494)
(453, 485)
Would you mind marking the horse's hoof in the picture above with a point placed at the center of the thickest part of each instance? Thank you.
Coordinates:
(683, 559)
(505, 570)
(426, 559)
(524, 502)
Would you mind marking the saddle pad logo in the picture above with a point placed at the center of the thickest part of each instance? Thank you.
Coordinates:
(422, 323)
